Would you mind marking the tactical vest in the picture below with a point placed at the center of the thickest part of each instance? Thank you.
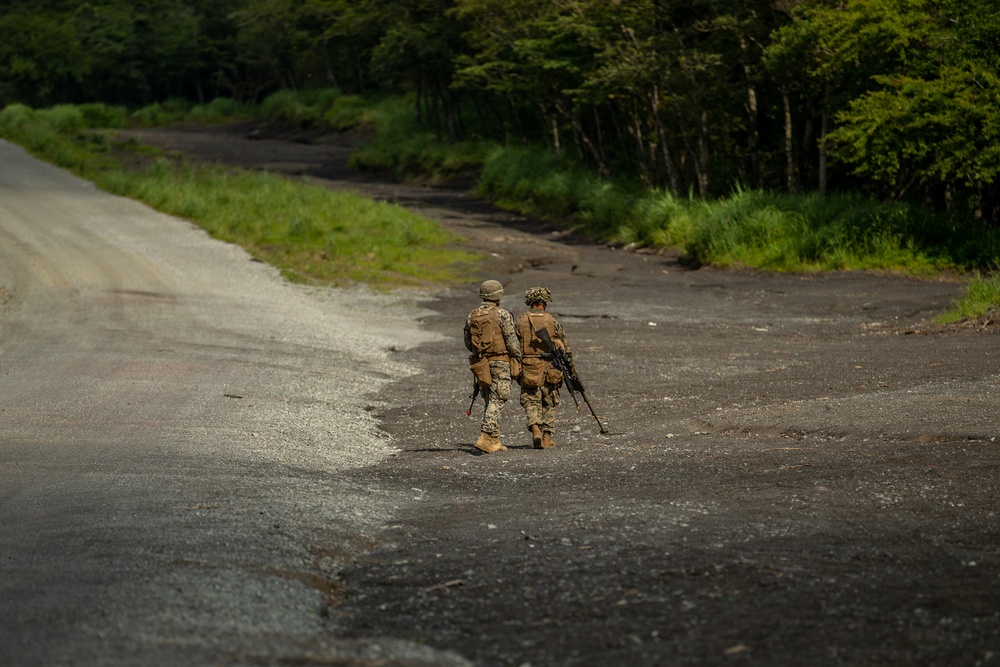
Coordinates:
(527, 325)
(487, 338)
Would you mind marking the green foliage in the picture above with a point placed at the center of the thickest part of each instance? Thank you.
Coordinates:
(220, 110)
(40, 53)
(981, 299)
(749, 228)
(97, 115)
(298, 108)
(403, 146)
(681, 97)
(50, 132)
(929, 132)
(917, 92)
(160, 114)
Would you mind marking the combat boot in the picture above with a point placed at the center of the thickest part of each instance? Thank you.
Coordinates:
(488, 444)
(547, 440)
(536, 436)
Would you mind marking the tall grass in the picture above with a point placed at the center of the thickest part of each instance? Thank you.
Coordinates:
(298, 108)
(749, 228)
(981, 298)
(159, 114)
(311, 233)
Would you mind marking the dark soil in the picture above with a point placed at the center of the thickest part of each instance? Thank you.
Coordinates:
(801, 471)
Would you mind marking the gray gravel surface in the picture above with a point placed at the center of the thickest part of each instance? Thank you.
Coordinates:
(175, 423)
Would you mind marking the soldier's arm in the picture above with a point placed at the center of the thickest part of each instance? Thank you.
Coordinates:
(468, 338)
(509, 334)
(560, 337)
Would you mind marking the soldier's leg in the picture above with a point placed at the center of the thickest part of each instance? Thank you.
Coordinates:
(549, 401)
(497, 398)
(547, 408)
(531, 401)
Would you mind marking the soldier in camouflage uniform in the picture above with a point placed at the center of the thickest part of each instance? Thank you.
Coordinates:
(490, 337)
(540, 379)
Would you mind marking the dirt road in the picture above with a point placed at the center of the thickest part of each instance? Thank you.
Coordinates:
(175, 425)
(803, 470)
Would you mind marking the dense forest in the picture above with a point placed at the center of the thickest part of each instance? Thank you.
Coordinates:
(900, 98)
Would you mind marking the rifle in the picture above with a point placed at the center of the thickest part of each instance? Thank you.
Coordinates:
(475, 392)
(573, 383)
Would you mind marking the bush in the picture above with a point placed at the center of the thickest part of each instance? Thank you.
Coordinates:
(299, 108)
(219, 110)
(104, 116)
(981, 298)
(157, 114)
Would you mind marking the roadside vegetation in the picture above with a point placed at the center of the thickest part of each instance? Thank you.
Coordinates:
(980, 303)
(312, 234)
(384, 245)
(798, 135)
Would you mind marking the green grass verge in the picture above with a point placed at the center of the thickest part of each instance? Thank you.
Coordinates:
(312, 234)
(778, 232)
(981, 299)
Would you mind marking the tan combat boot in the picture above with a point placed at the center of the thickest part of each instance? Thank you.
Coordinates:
(488, 444)
(547, 440)
(536, 436)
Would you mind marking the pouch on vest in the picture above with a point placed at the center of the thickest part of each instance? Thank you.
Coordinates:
(481, 370)
(515, 368)
(533, 374)
(554, 376)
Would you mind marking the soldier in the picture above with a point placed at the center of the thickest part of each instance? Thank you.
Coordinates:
(490, 337)
(540, 380)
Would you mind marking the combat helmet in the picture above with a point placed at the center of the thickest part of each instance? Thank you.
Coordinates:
(491, 290)
(536, 294)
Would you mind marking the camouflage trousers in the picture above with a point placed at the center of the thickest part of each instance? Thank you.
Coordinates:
(497, 397)
(539, 405)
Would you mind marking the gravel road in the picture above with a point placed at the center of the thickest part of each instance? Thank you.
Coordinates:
(175, 422)
(803, 472)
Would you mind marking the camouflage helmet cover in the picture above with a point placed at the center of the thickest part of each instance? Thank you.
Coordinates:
(491, 290)
(536, 294)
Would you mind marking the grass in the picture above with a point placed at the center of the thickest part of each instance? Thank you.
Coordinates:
(312, 234)
(981, 299)
(757, 229)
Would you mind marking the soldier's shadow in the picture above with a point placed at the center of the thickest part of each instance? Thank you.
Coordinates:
(467, 447)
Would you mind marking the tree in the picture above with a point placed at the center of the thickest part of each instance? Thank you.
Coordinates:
(927, 122)
(41, 55)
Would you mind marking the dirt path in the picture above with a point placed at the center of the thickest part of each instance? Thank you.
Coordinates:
(806, 472)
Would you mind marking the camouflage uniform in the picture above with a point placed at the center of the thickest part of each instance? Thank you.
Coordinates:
(539, 402)
(499, 390)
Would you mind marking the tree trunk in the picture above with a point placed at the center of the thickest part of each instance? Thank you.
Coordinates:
(584, 141)
(642, 161)
(703, 156)
(752, 115)
(555, 135)
(661, 131)
(600, 135)
(512, 109)
(789, 144)
(419, 106)
(824, 129)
